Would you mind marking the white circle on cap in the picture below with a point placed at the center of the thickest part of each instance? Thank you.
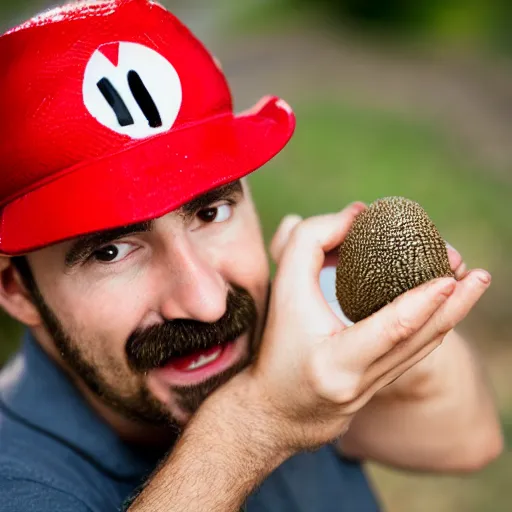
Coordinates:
(132, 89)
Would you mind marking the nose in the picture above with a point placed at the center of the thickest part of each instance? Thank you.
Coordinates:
(196, 290)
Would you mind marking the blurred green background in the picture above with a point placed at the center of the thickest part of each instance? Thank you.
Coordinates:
(393, 97)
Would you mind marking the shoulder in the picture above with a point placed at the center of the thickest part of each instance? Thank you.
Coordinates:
(25, 495)
(40, 473)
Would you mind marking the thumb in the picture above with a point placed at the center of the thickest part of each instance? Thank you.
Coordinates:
(304, 254)
(282, 235)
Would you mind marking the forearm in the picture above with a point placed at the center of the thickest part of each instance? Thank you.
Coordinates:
(441, 417)
(222, 456)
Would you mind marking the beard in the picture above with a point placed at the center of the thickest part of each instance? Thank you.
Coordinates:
(154, 347)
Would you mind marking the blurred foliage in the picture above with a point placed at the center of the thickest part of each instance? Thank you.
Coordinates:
(13, 11)
(341, 153)
(485, 491)
(10, 334)
(473, 23)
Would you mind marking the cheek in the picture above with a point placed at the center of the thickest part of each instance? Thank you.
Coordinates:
(101, 316)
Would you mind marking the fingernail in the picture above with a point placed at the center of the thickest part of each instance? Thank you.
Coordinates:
(483, 277)
(358, 206)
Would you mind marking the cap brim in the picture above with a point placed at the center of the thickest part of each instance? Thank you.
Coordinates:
(147, 180)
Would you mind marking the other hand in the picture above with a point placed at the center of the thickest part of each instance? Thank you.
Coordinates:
(313, 372)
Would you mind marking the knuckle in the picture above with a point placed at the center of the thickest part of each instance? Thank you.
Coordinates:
(347, 392)
(298, 232)
(403, 326)
(285, 235)
(305, 225)
(443, 331)
(301, 233)
(287, 224)
(336, 387)
(444, 325)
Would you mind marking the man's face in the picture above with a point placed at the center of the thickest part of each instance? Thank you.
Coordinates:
(154, 317)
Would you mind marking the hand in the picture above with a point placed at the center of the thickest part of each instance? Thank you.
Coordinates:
(313, 373)
(417, 382)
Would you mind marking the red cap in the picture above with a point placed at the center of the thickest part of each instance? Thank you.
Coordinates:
(114, 113)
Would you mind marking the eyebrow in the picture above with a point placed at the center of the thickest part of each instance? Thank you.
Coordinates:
(86, 244)
(210, 197)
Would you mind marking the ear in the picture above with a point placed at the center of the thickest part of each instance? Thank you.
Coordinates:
(14, 297)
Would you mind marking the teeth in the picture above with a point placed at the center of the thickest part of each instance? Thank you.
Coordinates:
(204, 360)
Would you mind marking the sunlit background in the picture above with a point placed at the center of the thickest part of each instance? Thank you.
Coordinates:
(393, 97)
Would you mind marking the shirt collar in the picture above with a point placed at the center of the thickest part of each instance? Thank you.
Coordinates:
(35, 391)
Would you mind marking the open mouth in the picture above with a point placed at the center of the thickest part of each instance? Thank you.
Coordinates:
(200, 365)
(197, 360)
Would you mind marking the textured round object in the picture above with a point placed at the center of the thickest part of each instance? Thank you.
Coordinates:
(392, 247)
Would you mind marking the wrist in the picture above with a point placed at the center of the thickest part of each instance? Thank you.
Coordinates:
(241, 415)
(225, 452)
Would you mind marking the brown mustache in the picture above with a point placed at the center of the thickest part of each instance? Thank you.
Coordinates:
(153, 347)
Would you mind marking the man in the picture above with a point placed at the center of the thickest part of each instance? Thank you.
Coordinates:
(158, 372)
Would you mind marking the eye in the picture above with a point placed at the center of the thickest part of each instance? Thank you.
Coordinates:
(216, 214)
(112, 253)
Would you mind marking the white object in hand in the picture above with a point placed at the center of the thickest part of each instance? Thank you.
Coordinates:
(328, 287)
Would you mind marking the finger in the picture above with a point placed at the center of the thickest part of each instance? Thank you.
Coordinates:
(466, 294)
(461, 271)
(398, 356)
(304, 254)
(370, 339)
(456, 262)
(282, 235)
(398, 370)
(297, 280)
(453, 311)
(368, 388)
